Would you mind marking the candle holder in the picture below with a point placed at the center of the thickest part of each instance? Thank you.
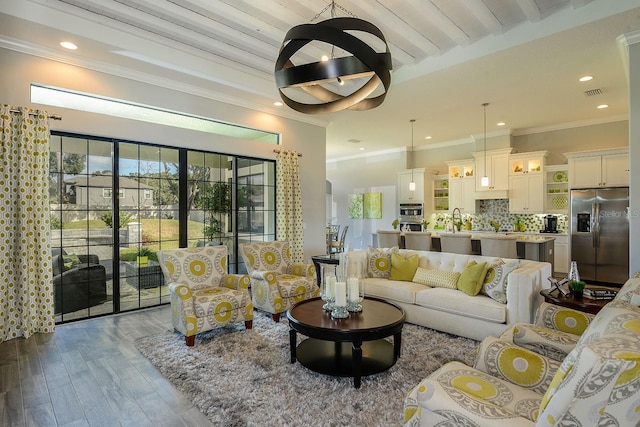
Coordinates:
(340, 304)
(327, 285)
(355, 294)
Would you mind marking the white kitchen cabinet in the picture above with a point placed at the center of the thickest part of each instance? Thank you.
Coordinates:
(526, 193)
(404, 178)
(462, 185)
(497, 169)
(561, 254)
(599, 168)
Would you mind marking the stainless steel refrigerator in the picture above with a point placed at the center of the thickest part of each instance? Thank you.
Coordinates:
(600, 234)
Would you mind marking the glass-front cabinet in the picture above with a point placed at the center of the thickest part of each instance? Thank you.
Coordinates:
(524, 163)
(557, 189)
(441, 193)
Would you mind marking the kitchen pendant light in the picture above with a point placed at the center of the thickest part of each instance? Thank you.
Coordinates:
(412, 184)
(484, 181)
(367, 68)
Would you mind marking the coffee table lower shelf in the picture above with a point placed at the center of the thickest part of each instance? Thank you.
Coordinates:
(336, 358)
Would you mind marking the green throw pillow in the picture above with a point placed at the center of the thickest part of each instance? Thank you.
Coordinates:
(403, 268)
(472, 278)
(73, 259)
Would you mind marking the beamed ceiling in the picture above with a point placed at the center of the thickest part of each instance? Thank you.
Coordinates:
(524, 57)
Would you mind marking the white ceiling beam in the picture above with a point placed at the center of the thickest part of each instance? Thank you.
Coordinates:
(480, 10)
(530, 10)
(390, 23)
(441, 21)
(133, 17)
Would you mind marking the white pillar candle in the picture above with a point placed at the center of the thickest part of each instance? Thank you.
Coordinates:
(341, 294)
(331, 285)
(354, 289)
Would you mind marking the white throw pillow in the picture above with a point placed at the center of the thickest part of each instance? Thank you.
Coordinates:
(495, 282)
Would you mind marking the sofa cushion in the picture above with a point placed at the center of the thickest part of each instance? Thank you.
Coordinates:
(70, 261)
(403, 268)
(379, 261)
(392, 289)
(495, 281)
(437, 278)
(472, 277)
(456, 302)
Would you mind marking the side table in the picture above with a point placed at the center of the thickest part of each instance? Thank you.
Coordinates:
(323, 259)
(587, 305)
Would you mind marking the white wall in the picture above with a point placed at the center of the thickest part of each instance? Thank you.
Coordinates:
(634, 153)
(18, 71)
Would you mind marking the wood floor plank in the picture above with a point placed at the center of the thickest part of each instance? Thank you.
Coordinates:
(89, 373)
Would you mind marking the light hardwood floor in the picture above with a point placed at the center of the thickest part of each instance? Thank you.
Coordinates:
(89, 373)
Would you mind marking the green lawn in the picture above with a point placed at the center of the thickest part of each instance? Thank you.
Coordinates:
(153, 229)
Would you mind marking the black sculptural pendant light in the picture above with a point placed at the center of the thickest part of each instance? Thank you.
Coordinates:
(316, 78)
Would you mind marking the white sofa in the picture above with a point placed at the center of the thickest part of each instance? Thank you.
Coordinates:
(451, 310)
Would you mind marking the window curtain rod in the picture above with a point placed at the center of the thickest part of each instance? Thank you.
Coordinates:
(52, 116)
(278, 151)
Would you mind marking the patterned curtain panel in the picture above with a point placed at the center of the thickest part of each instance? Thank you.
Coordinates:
(26, 281)
(289, 203)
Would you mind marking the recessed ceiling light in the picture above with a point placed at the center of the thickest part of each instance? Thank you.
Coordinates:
(427, 137)
(500, 124)
(601, 106)
(585, 78)
(278, 104)
(324, 58)
(354, 141)
(68, 45)
(361, 148)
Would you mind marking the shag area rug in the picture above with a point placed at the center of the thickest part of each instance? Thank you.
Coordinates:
(241, 377)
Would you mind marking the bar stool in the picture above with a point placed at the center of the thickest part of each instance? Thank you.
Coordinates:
(503, 246)
(388, 238)
(457, 243)
(417, 240)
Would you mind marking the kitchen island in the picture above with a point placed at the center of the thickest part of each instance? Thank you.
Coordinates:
(533, 247)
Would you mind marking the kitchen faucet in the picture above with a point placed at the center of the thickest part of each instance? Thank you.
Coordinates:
(453, 218)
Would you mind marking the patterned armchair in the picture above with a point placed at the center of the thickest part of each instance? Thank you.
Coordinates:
(595, 384)
(203, 295)
(277, 283)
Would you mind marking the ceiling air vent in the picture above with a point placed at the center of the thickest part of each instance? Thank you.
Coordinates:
(593, 92)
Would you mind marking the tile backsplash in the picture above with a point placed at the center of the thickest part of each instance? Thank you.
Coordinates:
(498, 210)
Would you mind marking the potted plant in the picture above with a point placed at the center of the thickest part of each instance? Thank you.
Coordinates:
(143, 255)
(424, 224)
(395, 223)
(577, 289)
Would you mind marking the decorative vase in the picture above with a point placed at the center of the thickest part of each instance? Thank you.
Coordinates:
(577, 295)
(574, 276)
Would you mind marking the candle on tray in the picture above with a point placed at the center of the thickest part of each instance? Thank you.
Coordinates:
(331, 284)
(354, 289)
(341, 294)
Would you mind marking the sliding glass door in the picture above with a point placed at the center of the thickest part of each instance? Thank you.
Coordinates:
(115, 204)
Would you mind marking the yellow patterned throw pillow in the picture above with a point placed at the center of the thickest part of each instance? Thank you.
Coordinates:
(403, 268)
(472, 278)
(379, 261)
(495, 282)
(437, 278)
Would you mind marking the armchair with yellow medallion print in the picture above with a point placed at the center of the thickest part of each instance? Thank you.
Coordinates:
(203, 295)
(276, 282)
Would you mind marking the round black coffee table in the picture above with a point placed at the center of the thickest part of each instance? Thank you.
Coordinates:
(351, 347)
